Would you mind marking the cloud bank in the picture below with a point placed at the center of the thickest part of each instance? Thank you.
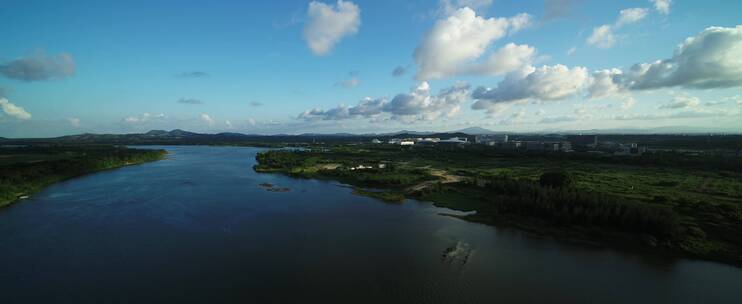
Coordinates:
(38, 67)
(418, 104)
(13, 110)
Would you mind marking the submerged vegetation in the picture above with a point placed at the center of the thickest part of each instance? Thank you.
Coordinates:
(26, 170)
(690, 207)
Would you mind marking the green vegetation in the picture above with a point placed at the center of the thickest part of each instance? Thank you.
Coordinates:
(26, 170)
(691, 206)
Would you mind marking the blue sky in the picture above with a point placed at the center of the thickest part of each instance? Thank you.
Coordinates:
(299, 66)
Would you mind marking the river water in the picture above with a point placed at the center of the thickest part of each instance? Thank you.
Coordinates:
(197, 227)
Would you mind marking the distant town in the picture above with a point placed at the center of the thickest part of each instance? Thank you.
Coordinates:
(568, 144)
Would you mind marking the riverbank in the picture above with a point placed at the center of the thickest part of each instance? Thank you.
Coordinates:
(27, 170)
(688, 212)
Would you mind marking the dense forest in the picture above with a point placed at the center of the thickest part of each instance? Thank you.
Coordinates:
(25, 170)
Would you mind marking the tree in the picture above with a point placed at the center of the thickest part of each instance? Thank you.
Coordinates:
(556, 179)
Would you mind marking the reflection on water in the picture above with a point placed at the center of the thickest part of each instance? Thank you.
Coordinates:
(198, 227)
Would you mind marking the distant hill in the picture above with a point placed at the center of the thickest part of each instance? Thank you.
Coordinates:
(181, 137)
(476, 131)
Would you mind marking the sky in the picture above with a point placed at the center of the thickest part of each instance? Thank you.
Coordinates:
(291, 67)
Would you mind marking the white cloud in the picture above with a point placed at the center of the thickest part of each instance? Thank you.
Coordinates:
(14, 110)
(448, 7)
(682, 102)
(228, 124)
(509, 58)
(711, 59)
(207, 119)
(602, 37)
(662, 6)
(538, 84)
(631, 15)
(74, 121)
(328, 24)
(454, 43)
(571, 51)
(603, 83)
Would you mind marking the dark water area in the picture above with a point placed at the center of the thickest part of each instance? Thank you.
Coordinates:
(198, 227)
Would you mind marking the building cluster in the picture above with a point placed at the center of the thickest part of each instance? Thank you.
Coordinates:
(503, 142)
(424, 141)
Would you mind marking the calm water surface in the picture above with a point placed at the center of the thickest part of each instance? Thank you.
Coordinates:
(197, 228)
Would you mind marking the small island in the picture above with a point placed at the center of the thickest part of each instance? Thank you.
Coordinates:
(667, 204)
(25, 170)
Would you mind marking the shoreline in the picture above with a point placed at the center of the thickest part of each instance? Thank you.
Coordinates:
(37, 185)
(642, 244)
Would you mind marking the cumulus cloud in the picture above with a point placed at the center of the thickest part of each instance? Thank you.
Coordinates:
(368, 107)
(327, 24)
(539, 84)
(14, 110)
(39, 66)
(711, 59)
(454, 44)
(509, 58)
(603, 83)
(662, 6)
(631, 15)
(602, 37)
(422, 105)
(448, 7)
(190, 101)
(418, 104)
(682, 102)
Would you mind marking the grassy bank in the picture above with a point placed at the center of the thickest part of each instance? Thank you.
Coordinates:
(26, 170)
(691, 207)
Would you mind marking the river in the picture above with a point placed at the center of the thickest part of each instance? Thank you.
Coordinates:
(197, 227)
